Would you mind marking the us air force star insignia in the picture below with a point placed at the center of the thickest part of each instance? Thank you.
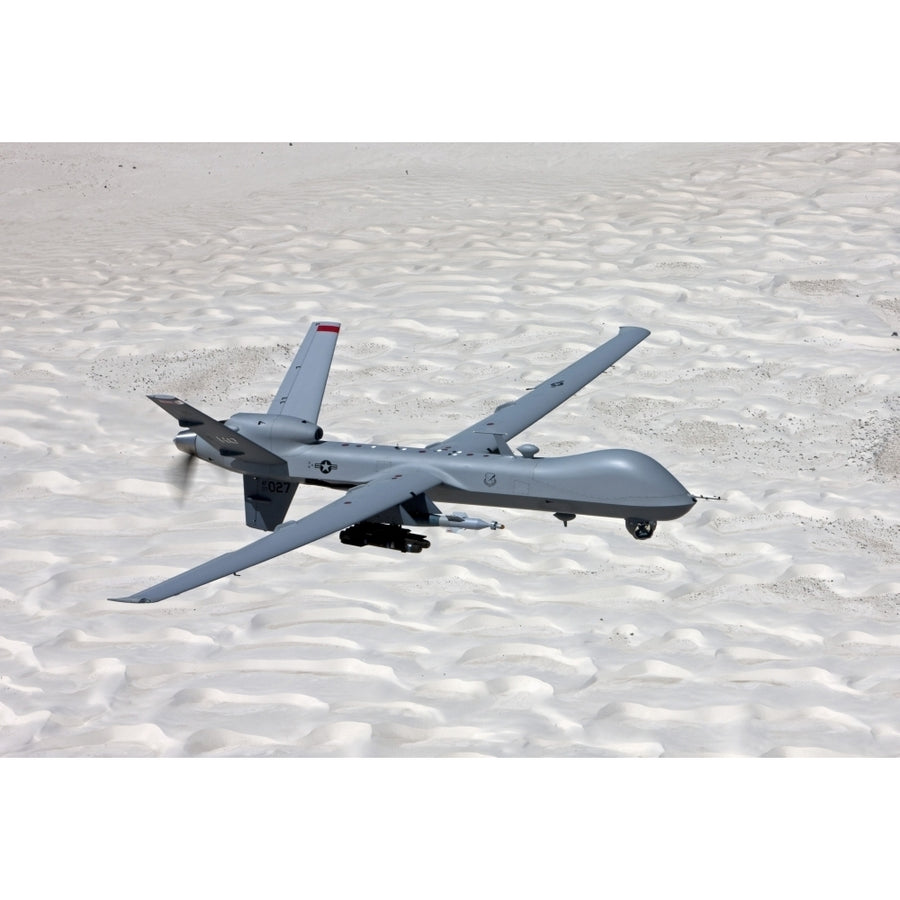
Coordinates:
(490, 479)
(325, 466)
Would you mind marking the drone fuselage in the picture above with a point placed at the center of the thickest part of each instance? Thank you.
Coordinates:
(619, 484)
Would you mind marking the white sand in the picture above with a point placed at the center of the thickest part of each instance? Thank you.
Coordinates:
(763, 625)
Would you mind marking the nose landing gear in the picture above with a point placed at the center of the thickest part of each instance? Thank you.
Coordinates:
(640, 529)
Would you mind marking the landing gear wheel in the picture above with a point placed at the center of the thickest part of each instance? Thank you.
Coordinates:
(640, 529)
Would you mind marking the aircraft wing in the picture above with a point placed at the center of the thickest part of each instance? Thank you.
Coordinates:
(391, 487)
(491, 433)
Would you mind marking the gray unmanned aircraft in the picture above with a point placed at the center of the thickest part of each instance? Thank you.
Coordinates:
(391, 487)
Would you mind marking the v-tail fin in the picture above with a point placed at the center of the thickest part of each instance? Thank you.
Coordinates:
(300, 394)
(266, 501)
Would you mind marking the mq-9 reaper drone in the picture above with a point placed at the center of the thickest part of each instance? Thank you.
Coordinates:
(392, 488)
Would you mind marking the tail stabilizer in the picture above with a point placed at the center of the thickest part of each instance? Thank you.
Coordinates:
(266, 501)
(218, 435)
(300, 394)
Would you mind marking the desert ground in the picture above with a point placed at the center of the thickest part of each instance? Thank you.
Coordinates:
(766, 623)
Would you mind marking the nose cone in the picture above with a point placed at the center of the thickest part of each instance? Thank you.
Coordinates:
(186, 442)
(629, 478)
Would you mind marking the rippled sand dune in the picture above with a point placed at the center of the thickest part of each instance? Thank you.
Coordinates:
(764, 624)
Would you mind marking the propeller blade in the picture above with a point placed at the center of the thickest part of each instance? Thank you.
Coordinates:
(182, 476)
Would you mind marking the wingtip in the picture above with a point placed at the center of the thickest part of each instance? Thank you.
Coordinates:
(135, 598)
